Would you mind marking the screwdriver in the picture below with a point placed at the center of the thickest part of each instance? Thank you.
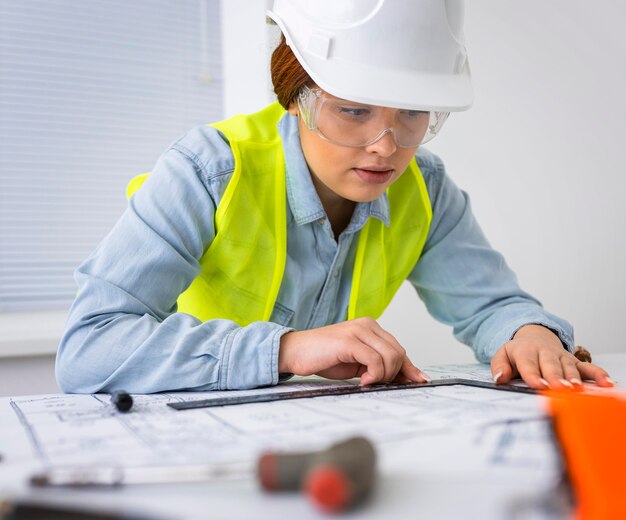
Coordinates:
(334, 479)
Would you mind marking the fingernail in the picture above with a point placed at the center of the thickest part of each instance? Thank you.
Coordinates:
(576, 381)
(426, 377)
(496, 376)
(544, 382)
(609, 380)
(566, 383)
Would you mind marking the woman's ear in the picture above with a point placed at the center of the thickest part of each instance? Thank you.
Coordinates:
(293, 108)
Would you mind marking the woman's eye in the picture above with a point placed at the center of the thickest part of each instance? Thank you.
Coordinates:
(355, 112)
(413, 113)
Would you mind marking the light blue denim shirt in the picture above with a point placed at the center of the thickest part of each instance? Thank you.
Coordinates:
(123, 330)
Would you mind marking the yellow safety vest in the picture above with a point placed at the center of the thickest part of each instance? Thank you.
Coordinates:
(242, 269)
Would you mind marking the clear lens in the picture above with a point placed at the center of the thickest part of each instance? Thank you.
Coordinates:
(347, 123)
(437, 119)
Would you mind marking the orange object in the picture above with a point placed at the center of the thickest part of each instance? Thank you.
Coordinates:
(328, 487)
(591, 430)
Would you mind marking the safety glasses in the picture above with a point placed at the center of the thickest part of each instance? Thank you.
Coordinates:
(347, 123)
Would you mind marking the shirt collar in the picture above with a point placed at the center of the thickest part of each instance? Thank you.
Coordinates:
(304, 202)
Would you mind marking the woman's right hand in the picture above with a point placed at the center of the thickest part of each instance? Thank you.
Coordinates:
(356, 348)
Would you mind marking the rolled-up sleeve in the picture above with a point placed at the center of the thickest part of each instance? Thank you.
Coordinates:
(123, 330)
(466, 283)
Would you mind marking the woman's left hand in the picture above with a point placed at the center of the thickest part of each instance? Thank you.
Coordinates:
(537, 355)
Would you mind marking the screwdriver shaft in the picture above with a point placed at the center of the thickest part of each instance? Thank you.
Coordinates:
(118, 475)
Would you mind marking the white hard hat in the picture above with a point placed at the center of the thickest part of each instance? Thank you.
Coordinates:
(395, 53)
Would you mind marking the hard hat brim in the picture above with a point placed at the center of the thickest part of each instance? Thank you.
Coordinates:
(393, 88)
(362, 83)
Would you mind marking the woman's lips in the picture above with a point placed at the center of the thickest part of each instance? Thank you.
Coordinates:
(373, 176)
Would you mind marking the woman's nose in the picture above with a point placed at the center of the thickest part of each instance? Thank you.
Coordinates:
(385, 144)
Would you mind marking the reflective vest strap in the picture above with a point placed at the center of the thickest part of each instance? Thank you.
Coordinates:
(242, 270)
(280, 222)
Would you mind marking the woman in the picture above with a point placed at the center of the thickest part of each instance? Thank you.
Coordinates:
(266, 245)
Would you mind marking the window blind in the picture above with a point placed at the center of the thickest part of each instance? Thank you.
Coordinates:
(91, 93)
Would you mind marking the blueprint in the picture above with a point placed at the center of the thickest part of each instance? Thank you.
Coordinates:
(458, 429)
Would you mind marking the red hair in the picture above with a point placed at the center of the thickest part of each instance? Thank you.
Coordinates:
(288, 76)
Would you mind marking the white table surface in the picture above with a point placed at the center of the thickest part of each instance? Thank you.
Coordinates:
(406, 488)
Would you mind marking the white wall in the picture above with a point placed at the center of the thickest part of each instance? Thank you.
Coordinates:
(247, 45)
(541, 154)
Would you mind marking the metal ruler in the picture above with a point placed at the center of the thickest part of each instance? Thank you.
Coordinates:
(340, 390)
